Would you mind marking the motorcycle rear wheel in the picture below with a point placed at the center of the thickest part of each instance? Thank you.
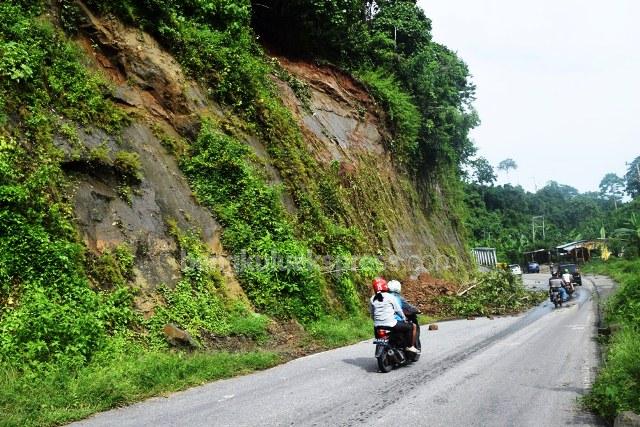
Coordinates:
(385, 364)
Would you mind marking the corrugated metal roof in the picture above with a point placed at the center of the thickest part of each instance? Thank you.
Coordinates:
(568, 247)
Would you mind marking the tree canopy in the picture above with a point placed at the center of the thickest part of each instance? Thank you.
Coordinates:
(501, 216)
(632, 178)
(612, 188)
(382, 41)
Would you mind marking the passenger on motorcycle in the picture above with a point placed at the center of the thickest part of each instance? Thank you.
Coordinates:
(384, 307)
(557, 283)
(395, 288)
(567, 277)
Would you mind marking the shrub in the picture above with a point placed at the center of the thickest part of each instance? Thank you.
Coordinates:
(617, 386)
(128, 164)
(404, 117)
(497, 292)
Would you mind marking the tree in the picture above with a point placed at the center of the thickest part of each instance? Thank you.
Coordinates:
(632, 178)
(405, 23)
(612, 188)
(631, 233)
(482, 172)
(506, 165)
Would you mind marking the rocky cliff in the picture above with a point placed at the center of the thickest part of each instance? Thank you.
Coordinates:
(344, 130)
(195, 179)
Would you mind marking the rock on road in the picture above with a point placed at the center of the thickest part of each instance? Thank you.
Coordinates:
(525, 370)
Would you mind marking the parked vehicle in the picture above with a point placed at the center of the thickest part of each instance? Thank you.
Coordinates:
(390, 351)
(515, 269)
(533, 267)
(574, 270)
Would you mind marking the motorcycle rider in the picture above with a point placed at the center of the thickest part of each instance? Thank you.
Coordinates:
(566, 276)
(556, 282)
(384, 307)
(395, 288)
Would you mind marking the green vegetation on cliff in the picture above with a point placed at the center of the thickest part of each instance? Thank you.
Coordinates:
(68, 315)
(49, 312)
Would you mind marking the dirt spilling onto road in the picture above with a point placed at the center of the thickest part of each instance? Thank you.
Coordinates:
(425, 290)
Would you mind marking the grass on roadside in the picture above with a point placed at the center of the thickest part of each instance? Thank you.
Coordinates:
(331, 332)
(114, 379)
(125, 372)
(617, 386)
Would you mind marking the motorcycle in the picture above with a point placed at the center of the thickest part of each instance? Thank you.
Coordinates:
(390, 352)
(555, 297)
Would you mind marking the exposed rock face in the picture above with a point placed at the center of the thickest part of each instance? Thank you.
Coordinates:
(162, 100)
(346, 126)
(135, 61)
(178, 337)
(342, 124)
(163, 195)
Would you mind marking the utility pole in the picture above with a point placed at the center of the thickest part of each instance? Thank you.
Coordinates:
(535, 225)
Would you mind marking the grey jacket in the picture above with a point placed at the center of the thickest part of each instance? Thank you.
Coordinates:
(383, 312)
(555, 282)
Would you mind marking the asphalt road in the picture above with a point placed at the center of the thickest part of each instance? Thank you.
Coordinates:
(525, 370)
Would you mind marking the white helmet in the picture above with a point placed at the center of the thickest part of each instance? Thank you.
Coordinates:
(394, 286)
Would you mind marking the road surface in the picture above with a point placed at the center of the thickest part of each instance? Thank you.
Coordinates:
(525, 370)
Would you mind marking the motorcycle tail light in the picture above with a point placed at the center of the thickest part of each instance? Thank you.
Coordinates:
(381, 333)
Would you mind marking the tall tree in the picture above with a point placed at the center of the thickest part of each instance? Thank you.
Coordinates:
(506, 165)
(632, 178)
(612, 188)
(482, 172)
(631, 233)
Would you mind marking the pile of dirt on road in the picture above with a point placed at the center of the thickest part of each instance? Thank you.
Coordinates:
(424, 291)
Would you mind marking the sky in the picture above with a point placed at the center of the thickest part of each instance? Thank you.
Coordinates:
(557, 84)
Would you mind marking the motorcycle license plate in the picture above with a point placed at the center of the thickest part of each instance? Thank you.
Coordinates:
(380, 341)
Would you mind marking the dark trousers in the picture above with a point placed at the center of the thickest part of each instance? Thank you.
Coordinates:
(405, 330)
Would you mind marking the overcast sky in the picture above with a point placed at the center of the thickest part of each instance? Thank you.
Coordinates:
(558, 83)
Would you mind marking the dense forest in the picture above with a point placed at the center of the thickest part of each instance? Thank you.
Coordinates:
(501, 216)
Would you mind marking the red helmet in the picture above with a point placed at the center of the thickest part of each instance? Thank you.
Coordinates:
(380, 285)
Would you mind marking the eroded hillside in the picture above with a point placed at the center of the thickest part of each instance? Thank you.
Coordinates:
(342, 164)
(166, 180)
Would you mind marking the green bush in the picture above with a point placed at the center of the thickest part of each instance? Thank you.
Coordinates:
(617, 386)
(113, 268)
(224, 178)
(402, 113)
(128, 164)
(496, 292)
